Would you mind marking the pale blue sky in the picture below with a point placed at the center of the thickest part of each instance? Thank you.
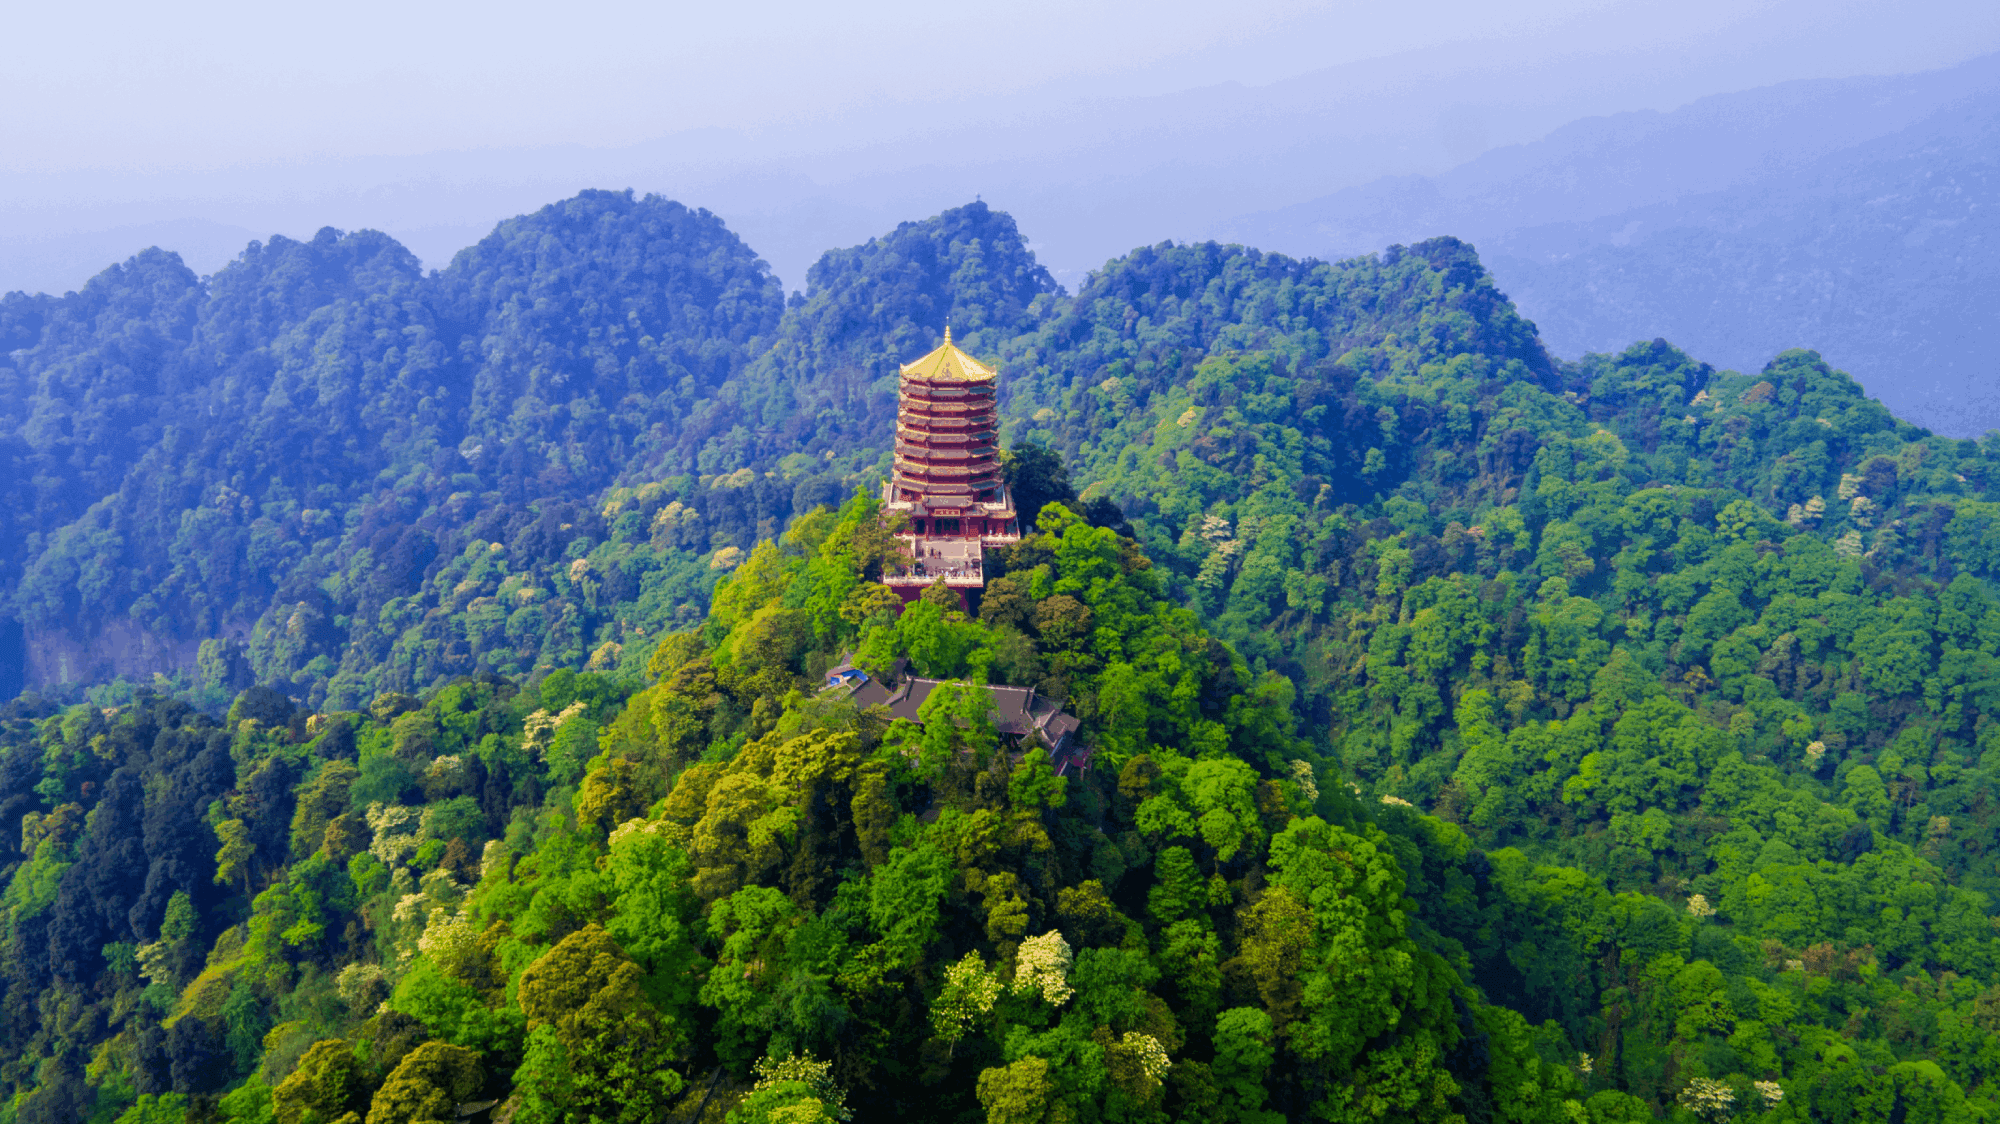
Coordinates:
(809, 125)
(123, 84)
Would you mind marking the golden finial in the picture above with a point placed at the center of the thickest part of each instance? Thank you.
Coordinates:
(947, 332)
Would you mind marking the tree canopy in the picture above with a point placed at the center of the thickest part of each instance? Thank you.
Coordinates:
(426, 721)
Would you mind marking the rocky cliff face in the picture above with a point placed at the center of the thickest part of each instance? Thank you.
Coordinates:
(111, 650)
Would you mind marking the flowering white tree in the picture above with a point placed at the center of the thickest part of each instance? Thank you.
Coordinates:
(1043, 965)
(827, 1101)
(970, 990)
(1152, 1056)
(1710, 1100)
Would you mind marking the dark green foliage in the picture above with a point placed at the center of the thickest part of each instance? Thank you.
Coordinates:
(1475, 737)
(1036, 477)
(827, 384)
(321, 434)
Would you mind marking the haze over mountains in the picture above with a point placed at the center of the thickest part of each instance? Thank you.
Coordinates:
(1844, 214)
(414, 681)
(1851, 216)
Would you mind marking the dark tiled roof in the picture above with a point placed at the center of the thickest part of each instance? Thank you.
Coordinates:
(1059, 727)
(871, 693)
(1017, 711)
(905, 700)
(1013, 709)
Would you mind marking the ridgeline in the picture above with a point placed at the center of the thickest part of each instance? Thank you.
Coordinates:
(418, 710)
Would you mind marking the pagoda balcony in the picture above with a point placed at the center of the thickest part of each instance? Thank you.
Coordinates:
(932, 499)
(947, 455)
(920, 391)
(939, 493)
(948, 473)
(956, 436)
(946, 468)
(916, 409)
(959, 431)
(951, 581)
(958, 428)
(949, 410)
(909, 451)
(952, 452)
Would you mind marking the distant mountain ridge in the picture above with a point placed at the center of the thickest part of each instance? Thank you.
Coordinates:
(1602, 166)
(293, 471)
(1656, 702)
(186, 457)
(1735, 226)
(1882, 257)
(253, 475)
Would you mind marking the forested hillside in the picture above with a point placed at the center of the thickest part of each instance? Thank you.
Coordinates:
(1476, 737)
(275, 461)
(290, 461)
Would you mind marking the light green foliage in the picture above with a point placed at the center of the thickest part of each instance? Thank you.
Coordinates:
(546, 1083)
(427, 1086)
(762, 989)
(598, 1048)
(969, 992)
(1020, 1093)
(1243, 1053)
(1034, 784)
(326, 1086)
(651, 914)
(794, 1089)
(1473, 736)
(903, 899)
(249, 1103)
(957, 718)
(163, 1108)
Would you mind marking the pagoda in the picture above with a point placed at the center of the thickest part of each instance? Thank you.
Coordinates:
(947, 472)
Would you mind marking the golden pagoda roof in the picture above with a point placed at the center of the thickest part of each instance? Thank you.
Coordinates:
(949, 364)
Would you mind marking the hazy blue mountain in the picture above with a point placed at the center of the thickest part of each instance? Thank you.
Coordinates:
(1881, 257)
(1092, 169)
(1606, 165)
(1841, 215)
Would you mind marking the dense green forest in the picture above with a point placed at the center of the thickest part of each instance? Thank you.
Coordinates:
(418, 715)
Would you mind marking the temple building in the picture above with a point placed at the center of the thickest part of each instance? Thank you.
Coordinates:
(947, 472)
(1022, 716)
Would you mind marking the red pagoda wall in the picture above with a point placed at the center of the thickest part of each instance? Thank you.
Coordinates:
(947, 441)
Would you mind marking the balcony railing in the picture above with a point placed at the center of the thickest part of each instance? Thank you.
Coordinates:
(913, 406)
(952, 437)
